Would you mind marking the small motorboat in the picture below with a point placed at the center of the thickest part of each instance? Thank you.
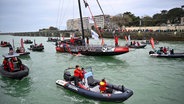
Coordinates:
(53, 39)
(21, 50)
(164, 52)
(89, 87)
(27, 41)
(148, 42)
(64, 45)
(36, 47)
(136, 46)
(5, 44)
(166, 55)
(20, 70)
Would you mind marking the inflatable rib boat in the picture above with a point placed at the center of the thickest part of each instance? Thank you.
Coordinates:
(90, 88)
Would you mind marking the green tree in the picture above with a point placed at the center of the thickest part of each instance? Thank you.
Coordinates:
(174, 15)
(147, 21)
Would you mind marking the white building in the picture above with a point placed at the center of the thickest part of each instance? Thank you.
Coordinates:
(75, 24)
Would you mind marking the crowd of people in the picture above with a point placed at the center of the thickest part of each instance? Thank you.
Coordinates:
(12, 63)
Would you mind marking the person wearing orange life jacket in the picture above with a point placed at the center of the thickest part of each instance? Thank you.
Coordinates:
(103, 85)
(77, 74)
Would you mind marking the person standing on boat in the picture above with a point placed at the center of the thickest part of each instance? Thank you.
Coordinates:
(116, 40)
(77, 75)
(103, 85)
(87, 40)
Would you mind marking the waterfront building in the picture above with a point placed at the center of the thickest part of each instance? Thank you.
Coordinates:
(101, 21)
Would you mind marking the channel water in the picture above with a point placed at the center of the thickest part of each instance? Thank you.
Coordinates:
(153, 80)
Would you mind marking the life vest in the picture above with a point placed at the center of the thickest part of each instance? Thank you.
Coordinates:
(5, 63)
(102, 86)
(77, 73)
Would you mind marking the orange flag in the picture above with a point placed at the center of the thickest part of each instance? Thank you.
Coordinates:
(102, 43)
(152, 43)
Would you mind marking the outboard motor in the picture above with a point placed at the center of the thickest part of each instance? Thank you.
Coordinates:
(151, 52)
(67, 76)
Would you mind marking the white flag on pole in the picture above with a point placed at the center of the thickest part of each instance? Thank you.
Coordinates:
(94, 35)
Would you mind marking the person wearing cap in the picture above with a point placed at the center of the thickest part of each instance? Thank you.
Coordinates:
(103, 85)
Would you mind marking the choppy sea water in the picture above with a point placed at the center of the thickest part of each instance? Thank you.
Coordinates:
(153, 80)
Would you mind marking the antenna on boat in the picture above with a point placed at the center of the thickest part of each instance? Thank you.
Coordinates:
(83, 42)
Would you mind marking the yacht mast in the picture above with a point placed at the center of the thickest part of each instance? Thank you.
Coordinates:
(81, 21)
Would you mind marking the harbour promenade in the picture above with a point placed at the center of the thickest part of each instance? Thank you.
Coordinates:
(137, 33)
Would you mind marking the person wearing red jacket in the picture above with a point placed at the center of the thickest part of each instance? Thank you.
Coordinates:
(116, 40)
(77, 74)
(11, 65)
(103, 85)
(5, 64)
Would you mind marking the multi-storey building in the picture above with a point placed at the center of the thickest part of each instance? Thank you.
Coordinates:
(100, 20)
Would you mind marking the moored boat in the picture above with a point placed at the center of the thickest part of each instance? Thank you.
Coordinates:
(20, 70)
(136, 46)
(21, 50)
(5, 44)
(36, 47)
(166, 55)
(50, 39)
(148, 42)
(164, 52)
(89, 88)
(28, 41)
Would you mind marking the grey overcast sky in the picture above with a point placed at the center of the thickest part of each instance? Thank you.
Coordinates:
(32, 15)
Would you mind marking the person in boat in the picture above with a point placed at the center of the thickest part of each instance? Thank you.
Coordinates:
(11, 65)
(133, 43)
(103, 85)
(172, 51)
(138, 44)
(116, 40)
(72, 40)
(77, 75)
(5, 64)
(40, 45)
(56, 44)
(87, 40)
(165, 50)
(18, 50)
(10, 49)
(1, 42)
(161, 50)
(82, 73)
(19, 64)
